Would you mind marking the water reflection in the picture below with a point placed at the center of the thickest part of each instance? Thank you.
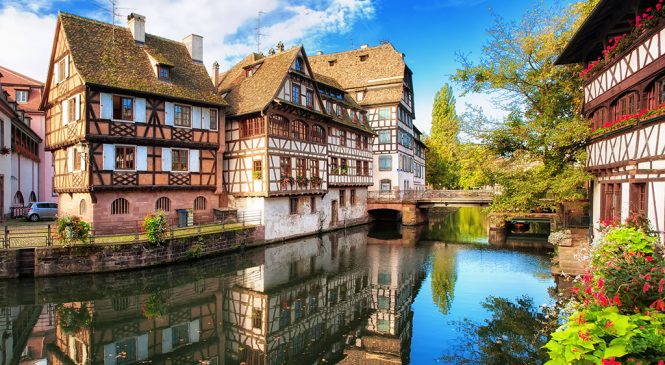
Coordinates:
(467, 225)
(355, 297)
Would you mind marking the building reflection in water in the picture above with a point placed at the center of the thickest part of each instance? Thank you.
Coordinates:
(338, 298)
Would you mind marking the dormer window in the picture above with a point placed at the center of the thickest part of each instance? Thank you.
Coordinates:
(164, 72)
(363, 57)
(332, 63)
(360, 95)
(298, 64)
(21, 96)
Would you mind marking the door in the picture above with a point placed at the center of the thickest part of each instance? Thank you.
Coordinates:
(333, 213)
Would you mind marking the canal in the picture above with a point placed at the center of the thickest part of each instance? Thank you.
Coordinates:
(369, 295)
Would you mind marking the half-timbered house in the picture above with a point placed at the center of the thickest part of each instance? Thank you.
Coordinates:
(19, 157)
(133, 121)
(278, 146)
(379, 80)
(621, 46)
(27, 94)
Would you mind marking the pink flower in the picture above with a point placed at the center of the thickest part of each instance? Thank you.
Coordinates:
(611, 361)
(601, 282)
(617, 300)
(646, 287)
(649, 258)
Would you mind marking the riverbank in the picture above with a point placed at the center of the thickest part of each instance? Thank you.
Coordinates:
(93, 258)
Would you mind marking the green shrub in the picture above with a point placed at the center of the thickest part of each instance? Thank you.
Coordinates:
(72, 229)
(72, 319)
(155, 226)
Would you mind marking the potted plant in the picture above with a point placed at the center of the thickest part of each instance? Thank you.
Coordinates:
(257, 175)
(72, 229)
(5, 150)
(344, 170)
(285, 181)
(302, 181)
(155, 225)
(316, 182)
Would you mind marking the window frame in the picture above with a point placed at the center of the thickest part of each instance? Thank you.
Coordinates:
(169, 73)
(122, 98)
(120, 210)
(214, 125)
(299, 130)
(385, 132)
(385, 158)
(279, 126)
(22, 100)
(173, 159)
(62, 69)
(177, 120)
(293, 206)
(124, 147)
(295, 93)
(257, 170)
(200, 203)
(319, 137)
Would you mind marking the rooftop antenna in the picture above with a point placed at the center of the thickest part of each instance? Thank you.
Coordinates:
(257, 31)
(114, 13)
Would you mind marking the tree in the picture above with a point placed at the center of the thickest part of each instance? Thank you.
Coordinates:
(442, 167)
(444, 277)
(539, 148)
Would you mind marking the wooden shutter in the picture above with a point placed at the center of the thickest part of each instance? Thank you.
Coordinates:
(166, 159)
(194, 163)
(196, 117)
(78, 106)
(167, 341)
(205, 118)
(141, 158)
(194, 329)
(70, 159)
(56, 72)
(139, 110)
(105, 106)
(67, 66)
(142, 347)
(65, 112)
(168, 113)
(109, 157)
(110, 357)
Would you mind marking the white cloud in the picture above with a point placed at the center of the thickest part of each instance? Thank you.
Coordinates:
(227, 26)
(26, 41)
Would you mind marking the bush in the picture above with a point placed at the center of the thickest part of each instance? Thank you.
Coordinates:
(620, 316)
(72, 229)
(71, 319)
(155, 226)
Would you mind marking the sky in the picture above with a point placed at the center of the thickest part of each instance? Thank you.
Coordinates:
(431, 33)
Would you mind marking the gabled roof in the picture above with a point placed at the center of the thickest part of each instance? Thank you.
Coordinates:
(608, 18)
(383, 64)
(107, 55)
(12, 81)
(254, 93)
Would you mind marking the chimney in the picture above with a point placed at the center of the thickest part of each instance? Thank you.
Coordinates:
(215, 73)
(318, 53)
(136, 24)
(363, 46)
(194, 44)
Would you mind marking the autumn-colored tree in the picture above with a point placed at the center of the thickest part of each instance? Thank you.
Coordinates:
(539, 148)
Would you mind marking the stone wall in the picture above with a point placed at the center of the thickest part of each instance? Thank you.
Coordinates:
(8, 263)
(78, 259)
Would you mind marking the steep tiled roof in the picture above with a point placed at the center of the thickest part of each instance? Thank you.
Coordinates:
(254, 93)
(107, 55)
(12, 80)
(382, 64)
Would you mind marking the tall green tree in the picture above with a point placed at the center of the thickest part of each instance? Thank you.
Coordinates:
(441, 156)
(539, 148)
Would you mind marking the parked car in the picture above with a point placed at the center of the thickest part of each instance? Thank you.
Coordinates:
(41, 210)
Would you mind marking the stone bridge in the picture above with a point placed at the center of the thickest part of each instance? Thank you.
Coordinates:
(411, 205)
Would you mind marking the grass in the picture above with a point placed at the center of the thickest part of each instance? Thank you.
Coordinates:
(33, 234)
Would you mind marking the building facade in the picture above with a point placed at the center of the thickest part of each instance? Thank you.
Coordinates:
(294, 155)
(27, 94)
(19, 157)
(133, 122)
(378, 79)
(623, 100)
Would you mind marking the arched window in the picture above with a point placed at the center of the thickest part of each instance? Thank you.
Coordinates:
(657, 94)
(318, 134)
(18, 199)
(386, 185)
(625, 105)
(163, 204)
(278, 126)
(200, 203)
(33, 197)
(299, 130)
(83, 209)
(120, 206)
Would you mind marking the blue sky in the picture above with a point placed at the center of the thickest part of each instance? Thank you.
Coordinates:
(430, 33)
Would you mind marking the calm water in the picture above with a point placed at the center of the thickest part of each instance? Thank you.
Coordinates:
(385, 295)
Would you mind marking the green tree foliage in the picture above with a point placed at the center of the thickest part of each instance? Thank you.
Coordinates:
(539, 148)
(441, 157)
(464, 225)
(444, 276)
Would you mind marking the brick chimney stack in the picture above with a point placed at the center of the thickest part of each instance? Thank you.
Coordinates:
(136, 25)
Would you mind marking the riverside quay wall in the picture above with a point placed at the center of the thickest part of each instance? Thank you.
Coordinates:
(86, 258)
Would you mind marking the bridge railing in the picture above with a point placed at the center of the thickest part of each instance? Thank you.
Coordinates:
(430, 195)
